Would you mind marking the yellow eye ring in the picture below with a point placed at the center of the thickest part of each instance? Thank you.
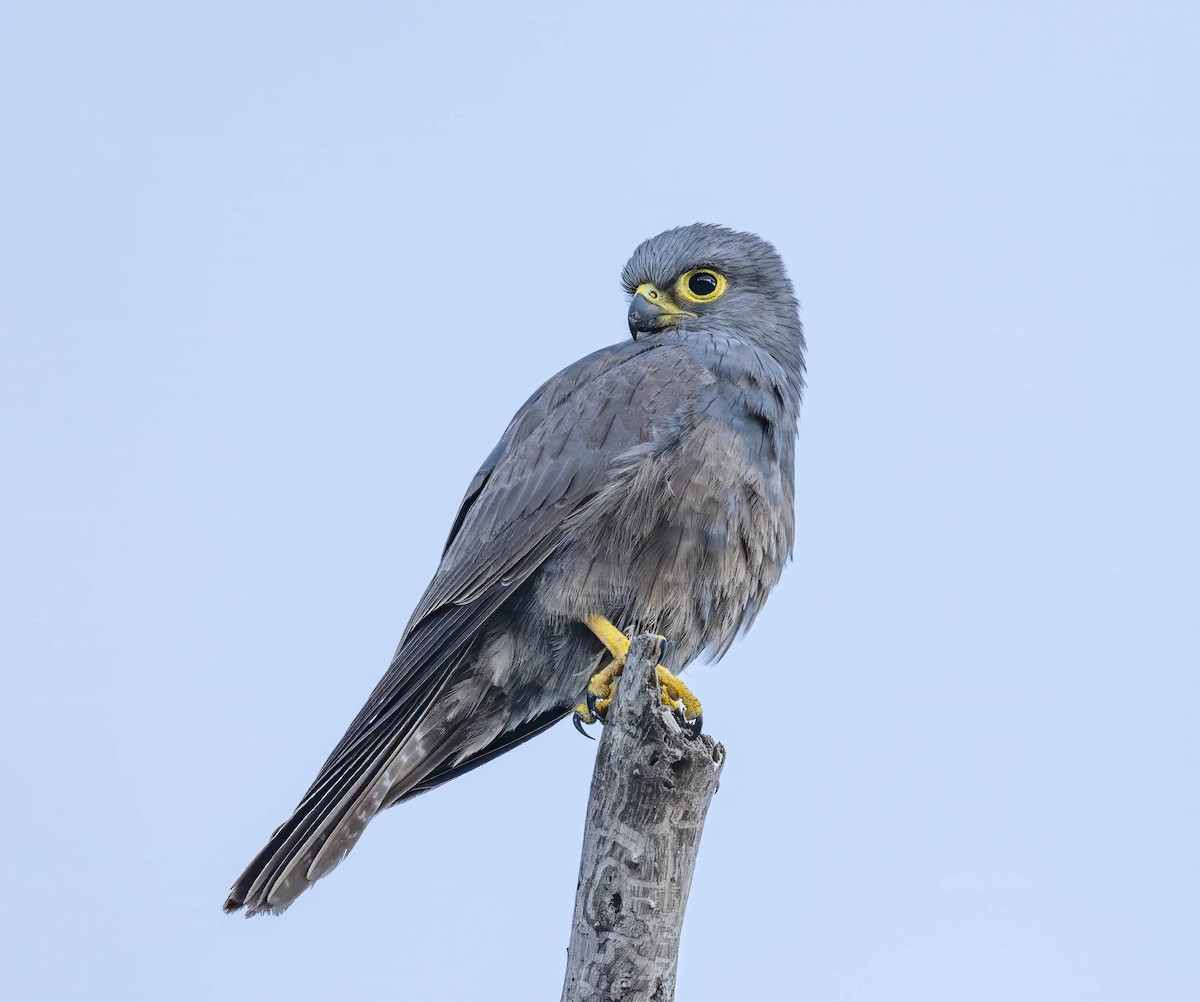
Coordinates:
(701, 285)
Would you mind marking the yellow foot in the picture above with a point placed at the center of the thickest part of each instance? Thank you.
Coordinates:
(603, 684)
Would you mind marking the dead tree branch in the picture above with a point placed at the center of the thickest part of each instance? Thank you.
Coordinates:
(650, 793)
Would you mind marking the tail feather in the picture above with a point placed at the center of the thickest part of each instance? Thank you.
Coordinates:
(355, 786)
(322, 832)
(395, 749)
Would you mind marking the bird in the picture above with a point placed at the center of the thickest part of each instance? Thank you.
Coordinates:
(648, 486)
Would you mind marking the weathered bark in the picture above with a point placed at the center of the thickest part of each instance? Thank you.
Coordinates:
(650, 793)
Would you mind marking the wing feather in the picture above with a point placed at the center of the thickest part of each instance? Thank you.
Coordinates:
(572, 439)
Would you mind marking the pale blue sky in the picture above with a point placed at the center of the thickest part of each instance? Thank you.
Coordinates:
(273, 278)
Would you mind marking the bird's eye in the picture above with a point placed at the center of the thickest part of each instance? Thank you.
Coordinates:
(701, 286)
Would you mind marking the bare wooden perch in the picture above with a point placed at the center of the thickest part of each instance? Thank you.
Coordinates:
(650, 793)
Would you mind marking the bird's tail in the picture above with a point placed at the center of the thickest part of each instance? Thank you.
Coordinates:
(394, 749)
(328, 822)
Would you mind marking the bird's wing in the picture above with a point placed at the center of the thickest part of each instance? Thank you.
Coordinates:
(579, 433)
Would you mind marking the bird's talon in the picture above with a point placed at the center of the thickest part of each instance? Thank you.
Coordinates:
(598, 696)
(681, 700)
(579, 720)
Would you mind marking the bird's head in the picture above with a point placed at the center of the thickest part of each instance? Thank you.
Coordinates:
(705, 279)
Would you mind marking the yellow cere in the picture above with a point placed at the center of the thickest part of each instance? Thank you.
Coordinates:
(653, 294)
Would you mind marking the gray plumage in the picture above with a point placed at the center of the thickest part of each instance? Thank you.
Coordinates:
(650, 482)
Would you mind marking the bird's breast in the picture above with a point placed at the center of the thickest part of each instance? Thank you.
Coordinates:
(688, 544)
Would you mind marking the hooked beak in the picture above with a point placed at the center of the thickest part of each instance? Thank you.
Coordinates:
(652, 310)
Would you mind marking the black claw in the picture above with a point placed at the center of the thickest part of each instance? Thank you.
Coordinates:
(577, 720)
(590, 698)
(694, 727)
(664, 645)
(681, 719)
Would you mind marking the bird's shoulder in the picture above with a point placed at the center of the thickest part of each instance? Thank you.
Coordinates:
(577, 433)
(636, 372)
(617, 397)
(621, 399)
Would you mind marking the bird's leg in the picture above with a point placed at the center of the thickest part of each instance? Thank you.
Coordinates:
(603, 684)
